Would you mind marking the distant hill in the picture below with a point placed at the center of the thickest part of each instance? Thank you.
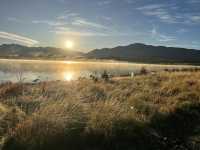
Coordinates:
(19, 51)
(135, 53)
(147, 53)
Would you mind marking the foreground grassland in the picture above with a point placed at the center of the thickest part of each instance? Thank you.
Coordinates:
(150, 112)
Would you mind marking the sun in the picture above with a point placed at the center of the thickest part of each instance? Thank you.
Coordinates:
(69, 44)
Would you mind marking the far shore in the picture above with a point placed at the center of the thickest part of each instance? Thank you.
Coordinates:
(82, 60)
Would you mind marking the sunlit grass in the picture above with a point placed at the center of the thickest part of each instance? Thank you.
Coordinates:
(154, 111)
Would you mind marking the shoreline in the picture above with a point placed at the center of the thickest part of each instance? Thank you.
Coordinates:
(72, 61)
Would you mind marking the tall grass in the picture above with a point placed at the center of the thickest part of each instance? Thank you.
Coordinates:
(159, 111)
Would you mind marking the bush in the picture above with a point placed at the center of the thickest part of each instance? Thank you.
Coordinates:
(105, 76)
(143, 71)
(11, 90)
(9, 118)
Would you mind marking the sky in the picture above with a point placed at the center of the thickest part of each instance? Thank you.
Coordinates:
(92, 24)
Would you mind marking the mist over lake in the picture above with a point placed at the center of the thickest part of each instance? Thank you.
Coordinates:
(46, 70)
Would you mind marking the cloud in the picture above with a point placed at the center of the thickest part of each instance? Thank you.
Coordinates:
(72, 32)
(165, 38)
(182, 31)
(193, 1)
(191, 18)
(104, 2)
(71, 19)
(61, 1)
(72, 24)
(84, 23)
(106, 18)
(151, 7)
(195, 18)
(171, 13)
(160, 11)
(81, 33)
(18, 38)
(161, 37)
(153, 32)
(195, 42)
(130, 1)
(48, 22)
(67, 15)
(13, 19)
(61, 20)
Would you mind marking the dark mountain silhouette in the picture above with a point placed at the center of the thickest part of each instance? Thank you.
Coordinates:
(147, 53)
(19, 51)
(135, 53)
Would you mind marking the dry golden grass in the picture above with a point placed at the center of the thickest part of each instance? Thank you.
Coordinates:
(160, 111)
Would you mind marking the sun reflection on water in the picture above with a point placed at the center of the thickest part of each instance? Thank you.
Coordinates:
(68, 76)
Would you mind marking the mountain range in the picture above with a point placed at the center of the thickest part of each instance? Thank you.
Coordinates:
(19, 51)
(147, 53)
(137, 52)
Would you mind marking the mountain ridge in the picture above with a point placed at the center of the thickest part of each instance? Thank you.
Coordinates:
(137, 52)
(140, 52)
(20, 51)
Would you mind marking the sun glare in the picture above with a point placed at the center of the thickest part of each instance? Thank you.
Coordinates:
(68, 76)
(69, 44)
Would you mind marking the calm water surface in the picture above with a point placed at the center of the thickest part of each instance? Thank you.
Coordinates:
(29, 70)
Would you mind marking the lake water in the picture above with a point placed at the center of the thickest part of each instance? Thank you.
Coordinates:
(29, 70)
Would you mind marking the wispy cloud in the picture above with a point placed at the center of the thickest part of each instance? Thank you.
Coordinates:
(160, 11)
(195, 44)
(61, 1)
(80, 33)
(86, 33)
(154, 32)
(172, 14)
(193, 1)
(72, 32)
(67, 15)
(191, 18)
(85, 23)
(106, 18)
(73, 24)
(165, 38)
(195, 18)
(130, 1)
(182, 31)
(104, 2)
(151, 7)
(72, 19)
(48, 22)
(161, 37)
(18, 38)
(13, 19)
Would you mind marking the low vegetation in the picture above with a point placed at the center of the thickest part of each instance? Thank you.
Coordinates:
(146, 112)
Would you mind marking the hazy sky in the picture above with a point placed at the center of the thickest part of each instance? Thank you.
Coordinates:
(100, 23)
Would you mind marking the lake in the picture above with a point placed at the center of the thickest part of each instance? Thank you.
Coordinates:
(46, 70)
